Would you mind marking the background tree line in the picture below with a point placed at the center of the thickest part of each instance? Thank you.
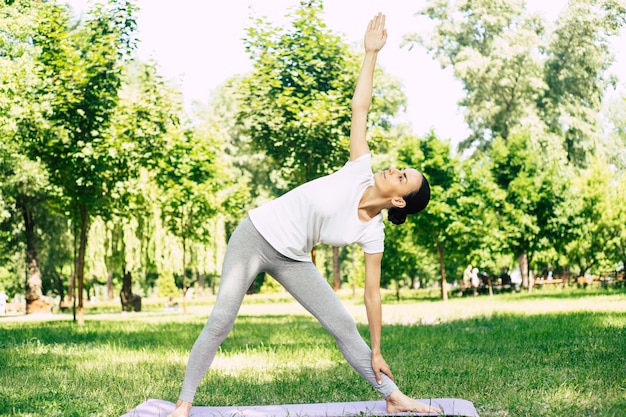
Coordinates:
(109, 181)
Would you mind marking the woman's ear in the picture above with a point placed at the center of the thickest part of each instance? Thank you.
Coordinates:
(398, 202)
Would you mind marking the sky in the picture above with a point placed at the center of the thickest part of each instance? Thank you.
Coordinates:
(198, 44)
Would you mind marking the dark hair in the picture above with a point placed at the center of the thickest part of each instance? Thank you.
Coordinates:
(415, 202)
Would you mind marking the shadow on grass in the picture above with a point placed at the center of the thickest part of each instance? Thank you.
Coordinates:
(249, 331)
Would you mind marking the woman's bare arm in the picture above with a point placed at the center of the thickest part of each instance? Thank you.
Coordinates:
(373, 307)
(375, 38)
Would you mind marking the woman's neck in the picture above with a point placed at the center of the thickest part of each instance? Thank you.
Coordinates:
(370, 204)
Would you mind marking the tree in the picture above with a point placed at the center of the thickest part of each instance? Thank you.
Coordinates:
(189, 180)
(528, 92)
(28, 186)
(492, 48)
(613, 150)
(532, 167)
(595, 219)
(577, 58)
(239, 171)
(615, 223)
(614, 153)
(478, 229)
(23, 181)
(295, 105)
(432, 226)
(512, 68)
(405, 259)
(80, 71)
(146, 120)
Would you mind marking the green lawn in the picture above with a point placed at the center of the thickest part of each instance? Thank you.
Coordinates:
(551, 353)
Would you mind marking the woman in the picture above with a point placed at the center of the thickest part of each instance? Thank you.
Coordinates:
(339, 209)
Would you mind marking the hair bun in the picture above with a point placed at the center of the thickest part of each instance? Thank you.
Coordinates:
(396, 216)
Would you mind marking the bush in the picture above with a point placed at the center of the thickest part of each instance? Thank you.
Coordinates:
(167, 286)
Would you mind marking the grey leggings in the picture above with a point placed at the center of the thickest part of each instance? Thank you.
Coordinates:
(249, 254)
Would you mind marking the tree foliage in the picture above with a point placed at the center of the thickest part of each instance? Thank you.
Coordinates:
(576, 60)
(295, 105)
(512, 67)
(432, 226)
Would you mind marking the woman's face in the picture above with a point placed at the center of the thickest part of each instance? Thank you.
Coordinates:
(398, 182)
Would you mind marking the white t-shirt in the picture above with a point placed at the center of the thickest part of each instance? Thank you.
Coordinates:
(323, 210)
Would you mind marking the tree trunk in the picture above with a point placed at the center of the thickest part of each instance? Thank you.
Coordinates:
(110, 285)
(35, 300)
(184, 275)
(80, 262)
(74, 295)
(336, 269)
(130, 301)
(71, 282)
(201, 284)
(126, 294)
(444, 285)
(60, 289)
(397, 281)
(522, 261)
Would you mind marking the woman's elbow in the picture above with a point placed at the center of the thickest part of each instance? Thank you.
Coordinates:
(360, 107)
(372, 297)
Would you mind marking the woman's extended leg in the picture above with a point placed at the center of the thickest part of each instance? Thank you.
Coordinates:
(242, 262)
(307, 286)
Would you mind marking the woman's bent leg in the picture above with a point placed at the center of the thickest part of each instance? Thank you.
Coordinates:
(306, 284)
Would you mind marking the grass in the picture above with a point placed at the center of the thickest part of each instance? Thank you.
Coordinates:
(550, 353)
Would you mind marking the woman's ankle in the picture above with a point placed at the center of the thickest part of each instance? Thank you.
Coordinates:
(182, 409)
(187, 404)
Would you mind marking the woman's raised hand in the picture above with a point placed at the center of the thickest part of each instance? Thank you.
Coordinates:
(376, 34)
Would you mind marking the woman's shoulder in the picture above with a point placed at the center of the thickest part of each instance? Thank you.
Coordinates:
(363, 162)
(364, 157)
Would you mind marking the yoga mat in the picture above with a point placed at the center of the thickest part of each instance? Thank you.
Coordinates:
(159, 408)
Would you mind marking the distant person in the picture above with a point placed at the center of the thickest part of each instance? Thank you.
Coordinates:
(340, 209)
(475, 281)
(505, 278)
(467, 277)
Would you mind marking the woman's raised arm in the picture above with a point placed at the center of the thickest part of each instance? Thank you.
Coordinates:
(375, 38)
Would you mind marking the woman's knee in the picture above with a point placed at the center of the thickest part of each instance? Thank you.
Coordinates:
(343, 326)
(219, 324)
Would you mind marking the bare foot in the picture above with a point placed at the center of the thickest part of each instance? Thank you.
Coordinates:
(397, 402)
(181, 410)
